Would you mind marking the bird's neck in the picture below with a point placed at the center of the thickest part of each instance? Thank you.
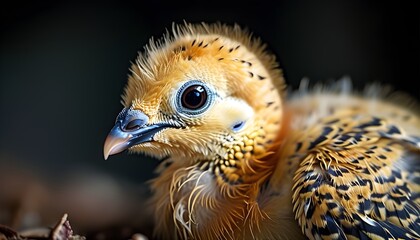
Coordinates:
(218, 198)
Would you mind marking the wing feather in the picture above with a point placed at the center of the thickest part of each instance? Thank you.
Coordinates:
(358, 179)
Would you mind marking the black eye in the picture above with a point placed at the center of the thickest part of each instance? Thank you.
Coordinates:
(194, 97)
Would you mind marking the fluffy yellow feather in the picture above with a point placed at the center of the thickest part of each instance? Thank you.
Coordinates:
(243, 161)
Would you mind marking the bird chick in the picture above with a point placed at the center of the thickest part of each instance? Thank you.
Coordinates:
(242, 161)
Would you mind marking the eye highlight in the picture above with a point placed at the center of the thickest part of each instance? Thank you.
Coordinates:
(193, 98)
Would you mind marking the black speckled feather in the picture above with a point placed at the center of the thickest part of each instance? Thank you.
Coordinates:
(358, 179)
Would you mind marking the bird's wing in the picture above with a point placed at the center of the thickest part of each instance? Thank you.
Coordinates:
(358, 178)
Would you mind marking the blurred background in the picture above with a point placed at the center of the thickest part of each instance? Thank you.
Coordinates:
(63, 66)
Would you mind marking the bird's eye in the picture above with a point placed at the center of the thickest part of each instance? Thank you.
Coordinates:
(194, 97)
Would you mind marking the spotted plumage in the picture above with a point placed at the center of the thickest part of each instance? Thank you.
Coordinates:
(244, 161)
(354, 180)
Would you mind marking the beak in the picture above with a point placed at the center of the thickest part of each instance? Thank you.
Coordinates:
(130, 129)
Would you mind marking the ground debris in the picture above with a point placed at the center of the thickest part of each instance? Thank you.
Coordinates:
(61, 231)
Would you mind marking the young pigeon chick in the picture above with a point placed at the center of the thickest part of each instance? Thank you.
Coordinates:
(242, 161)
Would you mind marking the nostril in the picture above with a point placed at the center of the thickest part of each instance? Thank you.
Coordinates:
(134, 125)
(131, 120)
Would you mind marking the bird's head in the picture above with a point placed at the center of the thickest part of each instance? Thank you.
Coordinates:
(205, 95)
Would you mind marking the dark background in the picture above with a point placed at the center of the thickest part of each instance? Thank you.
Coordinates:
(63, 66)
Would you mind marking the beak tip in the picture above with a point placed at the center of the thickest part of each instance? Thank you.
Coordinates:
(107, 147)
(114, 145)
